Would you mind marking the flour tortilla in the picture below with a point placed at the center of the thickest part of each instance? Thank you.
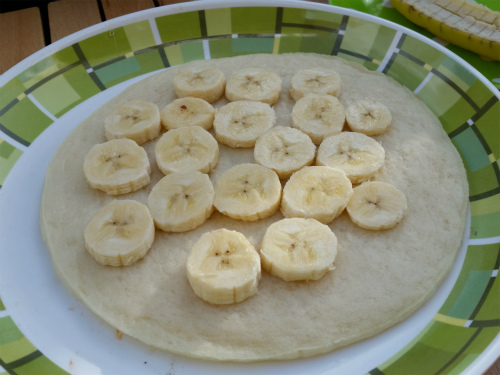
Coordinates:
(380, 277)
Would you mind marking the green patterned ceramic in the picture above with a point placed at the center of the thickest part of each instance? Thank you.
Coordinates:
(44, 330)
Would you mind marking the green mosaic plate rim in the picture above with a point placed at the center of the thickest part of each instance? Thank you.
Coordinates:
(464, 335)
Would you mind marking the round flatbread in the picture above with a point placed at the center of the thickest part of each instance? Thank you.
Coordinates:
(381, 277)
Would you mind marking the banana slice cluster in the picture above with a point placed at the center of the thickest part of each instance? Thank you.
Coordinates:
(223, 267)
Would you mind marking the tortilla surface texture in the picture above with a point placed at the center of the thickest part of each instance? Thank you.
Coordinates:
(381, 277)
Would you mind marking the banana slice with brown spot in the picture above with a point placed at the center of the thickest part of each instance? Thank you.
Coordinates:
(319, 116)
(188, 112)
(254, 84)
(369, 117)
(315, 81)
(316, 192)
(181, 201)
(239, 124)
(137, 120)
(248, 192)
(358, 155)
(187, 149)
(207, 83)
(120, 233)
(376, 205)
(223, 267)
(119, 166)
(298, 249)
(285, 150)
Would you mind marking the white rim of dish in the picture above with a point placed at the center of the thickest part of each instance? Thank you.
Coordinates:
(492, 352)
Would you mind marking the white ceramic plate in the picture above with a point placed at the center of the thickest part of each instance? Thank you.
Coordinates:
(44, 328)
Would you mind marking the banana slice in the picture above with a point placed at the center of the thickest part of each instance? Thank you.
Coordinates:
(120, 233)
(298, 249)
(254, 84)
(376, 205)
(207, 83)
(248, 192)
(316, 192)
(284, 150)
(181, 201)
(188, 112)
(319, 116)
(187, 149)
(137, 120)
(369, 117)
(223, 267)
(119, 166)
(316, 81)
(358, 155)
(239, 124)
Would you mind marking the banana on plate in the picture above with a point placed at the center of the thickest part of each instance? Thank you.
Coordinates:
(298, 249)
(248, 192)
(254, 84)
(187, 149)
(317, 192)
(240, 123)
(181, 201)
(223, 267)
(137, 120)
(187, 111)
(285, 150)
(119, 166)
(207, 83)
(319, 116)
(315, 81)
(369, 117)
(120, 233)
(376, 205)
(358, 155)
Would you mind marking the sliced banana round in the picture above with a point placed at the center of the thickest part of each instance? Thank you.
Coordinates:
(284, 150)
(223, 267)
(207, 83)
(358, 155)
(254, 84)
(239, 124)
(181, 201)
(137, 120)
(316, 192)
(119, 166)
(319, 116)
(248, 192)
(120, 233)
(376, 205)
(188, 112)
(316, 81)
(298, 249)
(369, 117)
(187, 149)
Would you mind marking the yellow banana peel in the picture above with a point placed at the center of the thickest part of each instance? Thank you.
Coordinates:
(464, 23)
